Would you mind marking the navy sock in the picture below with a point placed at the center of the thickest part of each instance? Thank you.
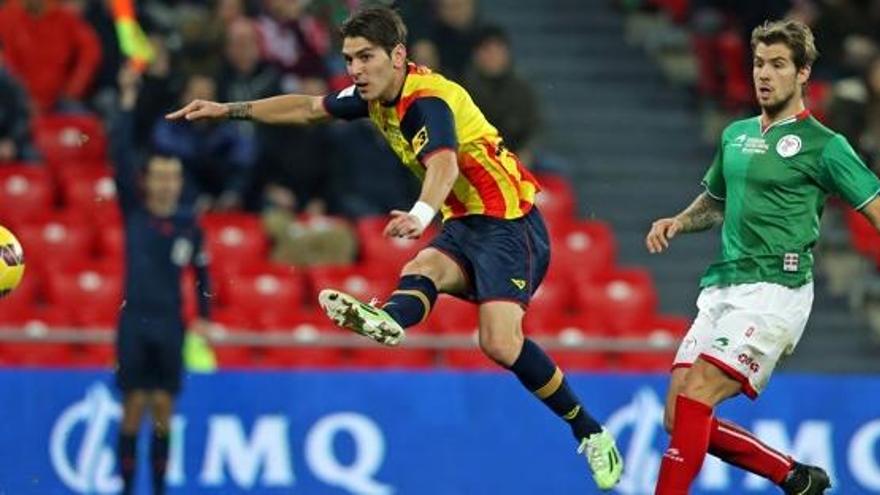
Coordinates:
(412, 301)
(542, 377)
(159, 460)
(126, 452)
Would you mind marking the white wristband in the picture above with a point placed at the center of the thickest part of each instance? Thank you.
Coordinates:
(423, 212)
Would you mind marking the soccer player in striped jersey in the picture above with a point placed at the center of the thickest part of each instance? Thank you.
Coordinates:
(493, 249)
(766, 187)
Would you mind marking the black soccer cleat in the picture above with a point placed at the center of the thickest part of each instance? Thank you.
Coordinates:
(806, 480)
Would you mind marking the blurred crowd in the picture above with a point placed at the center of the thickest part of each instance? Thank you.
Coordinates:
(844, 90)
(63, 56)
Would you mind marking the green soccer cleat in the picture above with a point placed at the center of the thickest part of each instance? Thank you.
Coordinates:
(603, 458)
(365, 319)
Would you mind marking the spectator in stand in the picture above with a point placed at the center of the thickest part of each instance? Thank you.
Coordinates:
(507, 100)
(51, 50)
(99, 15)
(855, 111)
(294, 42)
(15, 138)
(455, 35)
(217, 158)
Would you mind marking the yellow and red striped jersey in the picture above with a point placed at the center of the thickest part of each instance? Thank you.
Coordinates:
(433, 113)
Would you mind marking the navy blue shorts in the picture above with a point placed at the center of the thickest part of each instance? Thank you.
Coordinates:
(149, 353)
(503, 260)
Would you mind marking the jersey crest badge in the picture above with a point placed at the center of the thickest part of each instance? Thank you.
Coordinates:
(788, 146)
(420, 140)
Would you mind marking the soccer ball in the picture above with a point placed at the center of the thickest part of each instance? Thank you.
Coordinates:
(11, 262)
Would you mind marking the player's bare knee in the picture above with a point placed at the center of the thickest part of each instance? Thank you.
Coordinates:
(500, 344)
(426, 265)
(707, 384)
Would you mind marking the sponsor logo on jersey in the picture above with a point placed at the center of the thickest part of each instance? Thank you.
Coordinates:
(739, 141)
(788, 146)
(420, 140)
(755, 145)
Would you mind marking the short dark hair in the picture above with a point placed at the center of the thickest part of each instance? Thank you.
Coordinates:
(796, 35)
(492, 33)
(379, 25)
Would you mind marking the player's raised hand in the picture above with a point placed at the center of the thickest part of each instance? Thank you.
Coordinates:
(200, 109)
(404, 225)
(661, 232)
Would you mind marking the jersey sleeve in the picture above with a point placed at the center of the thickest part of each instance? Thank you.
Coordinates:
(346, 104)
(429, 126)
(713, 181)
(845, 174)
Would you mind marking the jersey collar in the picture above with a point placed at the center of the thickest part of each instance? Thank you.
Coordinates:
(802, 115)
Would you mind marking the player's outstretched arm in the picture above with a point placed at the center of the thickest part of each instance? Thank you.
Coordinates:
(284, 109)
(872, 212)
(704, 213)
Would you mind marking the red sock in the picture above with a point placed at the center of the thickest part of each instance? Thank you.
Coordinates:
(735, 445)
(687, 448)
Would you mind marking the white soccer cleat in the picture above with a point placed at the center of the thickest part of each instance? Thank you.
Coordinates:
(365, 319)
(603, 458)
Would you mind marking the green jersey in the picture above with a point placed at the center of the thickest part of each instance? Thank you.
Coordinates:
(774, 183)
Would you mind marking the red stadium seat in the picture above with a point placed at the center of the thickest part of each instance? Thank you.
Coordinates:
(582, 250)
(70, 138)
(56, 240)
(111, 241)
(468, 359)
(94, 355)
(234, 240)
(389, 254)
(453, 315)
(578, 360)
(551, 301)
(663, 330)
(385, 357)
(299, 357)
(20, 302)
(91, 190)
(362, 283)
(92, 294)
(234, 356)
(556, 201)
(272, 294)
(39, 354)
(26, 191)
(619, 299)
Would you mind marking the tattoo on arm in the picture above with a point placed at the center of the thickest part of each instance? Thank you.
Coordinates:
(704, 213)
(240, 110)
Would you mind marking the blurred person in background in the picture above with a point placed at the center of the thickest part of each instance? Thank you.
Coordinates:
(507, 100)
(51, 50)
(766, 187)
(15, 119)
(454, 33)
(293, 41)
(493, 249)
(855, 111)
(162, 239)
(217, 158)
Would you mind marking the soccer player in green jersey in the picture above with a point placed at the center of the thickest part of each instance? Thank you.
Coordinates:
(767, 187)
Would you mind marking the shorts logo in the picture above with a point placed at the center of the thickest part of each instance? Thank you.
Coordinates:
(750, 331)
(721, 343)
(420, 140)
(788, 146)
(748, 361)
(519, 283)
